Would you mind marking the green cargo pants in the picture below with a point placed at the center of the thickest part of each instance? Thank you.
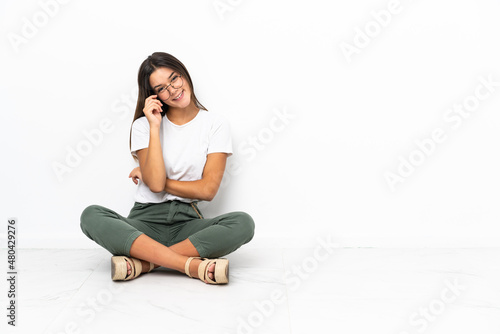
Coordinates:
(168, 223)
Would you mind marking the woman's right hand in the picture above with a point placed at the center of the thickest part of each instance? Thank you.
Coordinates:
(136, 175)
(152, 110)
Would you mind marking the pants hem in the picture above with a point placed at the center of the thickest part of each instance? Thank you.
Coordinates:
(201, 251)
(130, 241)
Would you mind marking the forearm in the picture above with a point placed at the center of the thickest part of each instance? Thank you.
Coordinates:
(202, 189)
(153, 171)
(206, 188)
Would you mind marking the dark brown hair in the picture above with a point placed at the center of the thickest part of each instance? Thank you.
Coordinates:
(148, 66)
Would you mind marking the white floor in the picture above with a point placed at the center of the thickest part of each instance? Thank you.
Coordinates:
(347, 290)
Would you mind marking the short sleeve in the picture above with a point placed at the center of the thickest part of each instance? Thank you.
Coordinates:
(140, 135)
(220, 137)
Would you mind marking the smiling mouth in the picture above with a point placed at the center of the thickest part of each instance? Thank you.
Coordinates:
(178, 97)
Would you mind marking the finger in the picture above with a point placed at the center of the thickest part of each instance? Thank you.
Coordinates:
(157, 102)
(156, 108)
(149, 102)
(151, 109)
(157, 111)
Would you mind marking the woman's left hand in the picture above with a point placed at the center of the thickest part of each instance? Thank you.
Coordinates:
(136, 175)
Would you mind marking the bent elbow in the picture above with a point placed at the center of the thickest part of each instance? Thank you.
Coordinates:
(156, 190)
(156, 187)
(208, 198)
(209, 195)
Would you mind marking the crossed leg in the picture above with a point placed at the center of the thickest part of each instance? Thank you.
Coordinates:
(174, 257)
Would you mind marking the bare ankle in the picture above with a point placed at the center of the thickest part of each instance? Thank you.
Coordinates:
(193, 267)
(145, 266)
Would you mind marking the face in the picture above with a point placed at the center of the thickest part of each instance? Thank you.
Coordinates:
(171, 88)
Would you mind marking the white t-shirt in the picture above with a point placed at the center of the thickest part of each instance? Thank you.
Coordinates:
(185, 148)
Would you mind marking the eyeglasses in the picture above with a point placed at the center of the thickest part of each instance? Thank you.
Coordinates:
(176, 83)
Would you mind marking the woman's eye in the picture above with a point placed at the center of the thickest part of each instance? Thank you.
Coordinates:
(175, 78)
(161, 89)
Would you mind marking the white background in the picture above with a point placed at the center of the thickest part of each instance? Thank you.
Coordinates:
(322, 173)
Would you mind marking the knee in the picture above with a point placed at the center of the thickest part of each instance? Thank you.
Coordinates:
(246, 225)
(88, 217)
